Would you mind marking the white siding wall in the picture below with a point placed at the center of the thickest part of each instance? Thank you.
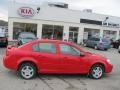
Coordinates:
(59, 16)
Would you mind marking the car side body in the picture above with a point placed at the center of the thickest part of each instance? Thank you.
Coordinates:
(3, 39)
(98, 43)
(54, 61)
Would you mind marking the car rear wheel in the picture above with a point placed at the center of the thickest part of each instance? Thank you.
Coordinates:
(106, 49)
(96, 72)
(27, 70)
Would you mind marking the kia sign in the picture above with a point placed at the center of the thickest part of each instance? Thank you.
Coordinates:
(26, 12)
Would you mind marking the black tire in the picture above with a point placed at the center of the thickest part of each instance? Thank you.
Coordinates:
(92, 74)
(118, 51)
(31, 66)
(106, 49)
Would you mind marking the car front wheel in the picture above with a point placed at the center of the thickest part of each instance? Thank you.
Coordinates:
(96, 72)
(27, 70)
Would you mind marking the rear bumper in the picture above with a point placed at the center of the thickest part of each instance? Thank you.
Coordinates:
(102, 47)
(8, 63)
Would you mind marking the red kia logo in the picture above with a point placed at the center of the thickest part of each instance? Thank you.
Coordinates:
(26, 12)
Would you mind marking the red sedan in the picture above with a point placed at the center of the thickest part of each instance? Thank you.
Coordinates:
(54, 57)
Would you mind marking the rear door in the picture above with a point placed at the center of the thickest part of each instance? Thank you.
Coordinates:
(90, 42)
(47, 57)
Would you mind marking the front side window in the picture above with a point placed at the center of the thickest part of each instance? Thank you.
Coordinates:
(66, 49)
(45, 47)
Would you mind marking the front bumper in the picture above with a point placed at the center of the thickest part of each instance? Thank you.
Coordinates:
(109, 68)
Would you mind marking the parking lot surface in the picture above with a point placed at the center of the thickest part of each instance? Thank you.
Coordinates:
(9, 80)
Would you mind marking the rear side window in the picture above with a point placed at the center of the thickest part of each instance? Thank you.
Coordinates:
(35, 47)
(45, 47)
(94, 39)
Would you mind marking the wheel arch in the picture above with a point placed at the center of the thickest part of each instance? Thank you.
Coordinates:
(27, 61)
(98, 63)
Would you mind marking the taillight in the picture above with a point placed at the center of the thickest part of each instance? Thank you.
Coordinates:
(9, 50)
(7, 54)
(3, 38)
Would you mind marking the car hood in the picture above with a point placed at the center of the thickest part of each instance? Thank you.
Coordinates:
(93, 56)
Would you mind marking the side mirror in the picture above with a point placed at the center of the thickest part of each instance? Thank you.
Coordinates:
(82, 54)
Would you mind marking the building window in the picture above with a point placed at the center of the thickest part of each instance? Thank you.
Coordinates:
(88, 21)
(52, 31)
(23, 27)
(110, 34)
(91, 32)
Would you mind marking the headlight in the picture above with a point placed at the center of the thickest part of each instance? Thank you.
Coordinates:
(108, 60)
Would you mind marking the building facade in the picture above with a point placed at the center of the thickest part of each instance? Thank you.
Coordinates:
(3, 29)
(54, 21)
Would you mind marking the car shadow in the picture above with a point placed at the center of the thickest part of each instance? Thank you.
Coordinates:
(15, 75)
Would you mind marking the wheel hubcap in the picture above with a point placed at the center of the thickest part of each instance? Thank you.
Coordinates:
(27, 72)
(97, 72)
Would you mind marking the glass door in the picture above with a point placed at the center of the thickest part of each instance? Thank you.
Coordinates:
(73, 34)
(52, 32)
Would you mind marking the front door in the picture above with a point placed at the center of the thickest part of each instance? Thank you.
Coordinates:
(71, 60)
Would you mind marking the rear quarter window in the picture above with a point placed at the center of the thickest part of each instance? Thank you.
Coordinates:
(44, 47)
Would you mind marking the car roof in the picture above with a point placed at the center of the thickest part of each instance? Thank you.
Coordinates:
(53, 41)
(49, 40)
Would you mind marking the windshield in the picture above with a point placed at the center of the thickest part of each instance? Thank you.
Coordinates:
(2, 35)
(25, 40)
(105, 40)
